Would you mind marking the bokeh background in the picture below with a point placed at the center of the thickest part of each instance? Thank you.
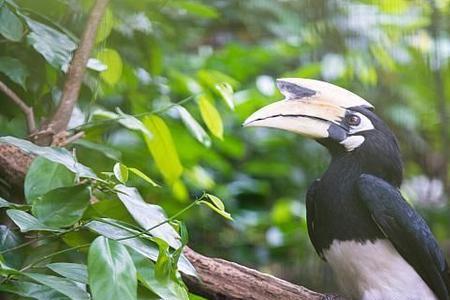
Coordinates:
(394, 53)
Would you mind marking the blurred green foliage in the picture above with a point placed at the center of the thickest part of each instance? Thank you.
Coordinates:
(170, 82)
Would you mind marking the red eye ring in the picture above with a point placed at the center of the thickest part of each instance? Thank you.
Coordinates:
(353, 120)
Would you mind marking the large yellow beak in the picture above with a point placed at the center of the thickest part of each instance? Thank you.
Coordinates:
(310, 108)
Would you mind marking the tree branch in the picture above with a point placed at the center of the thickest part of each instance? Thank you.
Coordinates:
(71, 90)
(27, 110)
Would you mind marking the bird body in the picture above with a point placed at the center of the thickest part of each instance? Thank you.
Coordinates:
(377, 245)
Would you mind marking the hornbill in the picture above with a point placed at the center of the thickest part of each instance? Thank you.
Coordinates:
(378, 246)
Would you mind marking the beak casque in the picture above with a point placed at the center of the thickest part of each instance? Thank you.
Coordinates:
(310, 107)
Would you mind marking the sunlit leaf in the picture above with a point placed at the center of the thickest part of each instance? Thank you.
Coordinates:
(211, 116)
(72, 271)
(226, 91)
(10, 25)
(58, 155)
(143, 176)
(63, 206)
(216, 201)
(192, 125)
(162, 148)
(45, 175)
(148, 215)
(121, 172)
(53, 45)
(14, 69)
(112, 274)
(112, 59)
(27, 222)
(62, 285)
(197, 9)
(105, 26)
(220, 212)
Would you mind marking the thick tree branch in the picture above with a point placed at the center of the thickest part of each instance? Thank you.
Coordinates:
(27, 110)
(71, 90)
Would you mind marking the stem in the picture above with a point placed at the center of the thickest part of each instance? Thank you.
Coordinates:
(27, 110)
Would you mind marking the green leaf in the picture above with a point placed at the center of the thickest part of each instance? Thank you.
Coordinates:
(4, 203)
(121, 172)
(10, 25)
(31, 290)
(112, 59)
(220, 212)
(62, 285)
(105, 27)
(106, 150)
(171, 289)
(53, 45)
(197, 9)
(8, 240)
(162, 148)
(133, 123)
(75, 272)
(112, 274)
(63, 206)
(27, 222)
(226, 91)
(148, 215)
(45, 175)
(211, 116)
(143, 176)
(192, 125)
(216, 201)
(14, 69)
(58, 155)
(144, 247)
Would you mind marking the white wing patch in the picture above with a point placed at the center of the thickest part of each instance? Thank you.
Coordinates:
(375, 271)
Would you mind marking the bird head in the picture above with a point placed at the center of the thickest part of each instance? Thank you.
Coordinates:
(338, 119)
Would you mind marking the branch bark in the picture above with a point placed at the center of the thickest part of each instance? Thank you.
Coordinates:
(60, 119)
(27, 110)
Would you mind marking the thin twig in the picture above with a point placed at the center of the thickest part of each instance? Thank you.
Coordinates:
(27, 110)
(72, 85)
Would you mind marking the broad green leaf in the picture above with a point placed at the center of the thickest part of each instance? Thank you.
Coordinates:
(63, 206)
(14, 69)
(121, 172)
(143, 246)
(27, 222)
(211, 116)
(112, 59)
(143, 176)
(10, 25)
(148, 215)
(216, 201)
(31, 290)
(106, 150)
(45, 175)
(62, 285)
(162, 148)
(55, 46)
(226, 91)
(75, 272)
(6, 270)
(58, 155)
(163, 265)
(105, 26)
(8, 240)
(192, 125)
(112, 274)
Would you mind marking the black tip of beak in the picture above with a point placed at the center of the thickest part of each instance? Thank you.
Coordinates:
(293, 91)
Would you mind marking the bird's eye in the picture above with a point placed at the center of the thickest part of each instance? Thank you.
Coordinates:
(353, 120)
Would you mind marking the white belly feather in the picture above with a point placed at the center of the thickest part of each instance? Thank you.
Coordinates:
(375, 271)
